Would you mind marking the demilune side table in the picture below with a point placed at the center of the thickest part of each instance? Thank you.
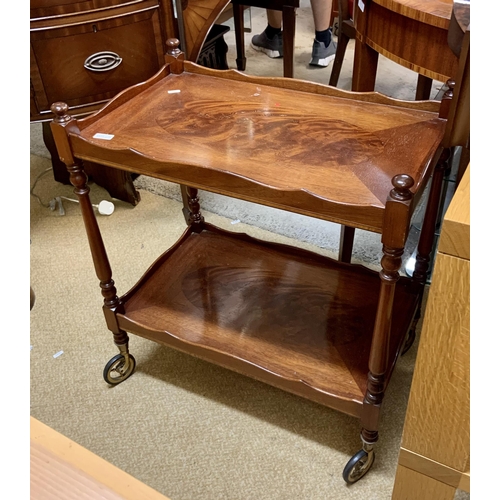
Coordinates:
(327, 330)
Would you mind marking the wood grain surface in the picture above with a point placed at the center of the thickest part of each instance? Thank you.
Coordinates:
(411, 485)
(439, 405)
(412, 33)
(433, 12)
(292, 315)
(61, 469)
(455, 234)
(266, 146)
(199, 16)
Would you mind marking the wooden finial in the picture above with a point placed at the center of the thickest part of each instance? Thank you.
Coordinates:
(174, 56)
(60, 110)
(402, 184)
(173, 47)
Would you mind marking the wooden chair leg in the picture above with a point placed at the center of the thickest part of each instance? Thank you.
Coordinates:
(346, 243)
(241, 60)
(424, 87)
(364, 71)
(288, 40)
(339, 59)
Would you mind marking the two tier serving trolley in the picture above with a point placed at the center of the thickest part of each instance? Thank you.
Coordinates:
(324, 329)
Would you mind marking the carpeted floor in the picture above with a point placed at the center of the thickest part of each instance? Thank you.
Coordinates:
(183, 426)
(187, 428)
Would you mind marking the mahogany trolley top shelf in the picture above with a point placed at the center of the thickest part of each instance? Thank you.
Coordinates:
(324, 329)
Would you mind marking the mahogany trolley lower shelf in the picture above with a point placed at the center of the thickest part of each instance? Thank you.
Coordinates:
(327, 330)
(291, 318)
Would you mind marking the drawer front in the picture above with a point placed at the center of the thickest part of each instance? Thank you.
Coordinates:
(119, 53)
(45, 8)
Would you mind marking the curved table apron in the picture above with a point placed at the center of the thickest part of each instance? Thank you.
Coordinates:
(412, 33)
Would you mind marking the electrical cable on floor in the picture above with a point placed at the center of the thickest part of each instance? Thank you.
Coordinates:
(104, 207)
(33, 188)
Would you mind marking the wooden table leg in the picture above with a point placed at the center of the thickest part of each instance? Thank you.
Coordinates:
(365, 68)
(241, 60)
(424, 87)
(288, 40)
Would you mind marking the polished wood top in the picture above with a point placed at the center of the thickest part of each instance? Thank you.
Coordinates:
(256, 138)
(433, 12)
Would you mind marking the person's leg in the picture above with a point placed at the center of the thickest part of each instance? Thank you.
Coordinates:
(324, 47)
(322, 12)
(270, 41)
(274, 18)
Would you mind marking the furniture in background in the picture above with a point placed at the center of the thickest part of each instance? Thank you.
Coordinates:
(288, 8)
(412, 33)
(323, 329)
(86, 52)
(345, 32)
(61, 469)
(83, 53)
(458, 43)
(434, 458)
(194, 21)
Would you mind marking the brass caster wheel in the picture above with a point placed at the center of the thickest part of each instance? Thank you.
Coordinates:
(409, 341)
(358, 466)
(118, 369)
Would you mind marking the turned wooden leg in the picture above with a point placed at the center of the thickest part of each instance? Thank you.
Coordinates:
(426, 241)
(194, 217)
(121, 366)
(394, 235)
(378, 364)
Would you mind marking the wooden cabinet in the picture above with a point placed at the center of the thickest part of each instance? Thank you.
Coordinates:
(86, 52)
(434, 455)
(84, 57)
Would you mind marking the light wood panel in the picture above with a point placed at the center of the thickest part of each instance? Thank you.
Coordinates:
(439, 405)
(61, 469)
(411, 485)
(434, 458)
(455, 235)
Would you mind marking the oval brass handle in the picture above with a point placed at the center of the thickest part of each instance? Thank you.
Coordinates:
(102, 61)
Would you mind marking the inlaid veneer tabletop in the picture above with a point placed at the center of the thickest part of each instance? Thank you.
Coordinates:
(61, 469)
(433, 12)
(277, 137)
